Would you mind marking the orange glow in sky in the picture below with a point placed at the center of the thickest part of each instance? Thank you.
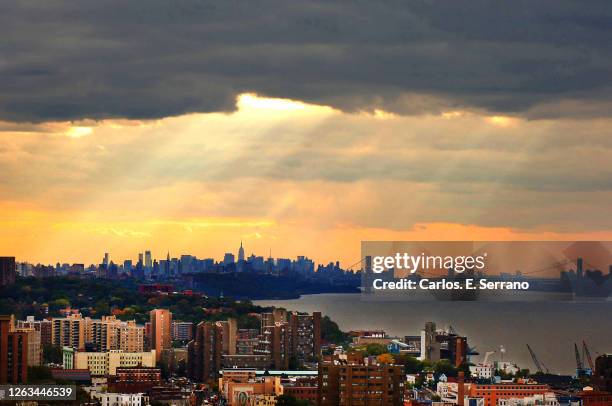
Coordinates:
(293, 178)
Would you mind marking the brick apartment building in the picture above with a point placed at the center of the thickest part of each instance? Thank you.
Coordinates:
(357, 382)
(13, 353)
(282, 338)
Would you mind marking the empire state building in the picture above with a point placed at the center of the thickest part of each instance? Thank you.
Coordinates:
(240, 253)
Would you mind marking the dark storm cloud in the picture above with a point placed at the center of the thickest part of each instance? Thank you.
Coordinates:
(73, 59)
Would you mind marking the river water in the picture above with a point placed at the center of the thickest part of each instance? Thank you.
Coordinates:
(550, 328)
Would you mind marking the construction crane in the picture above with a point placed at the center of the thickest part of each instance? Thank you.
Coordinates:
(587, 355)
(579, 365)
(486, 358)
(539, 365)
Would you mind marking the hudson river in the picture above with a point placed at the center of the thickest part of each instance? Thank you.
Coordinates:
(550, 328)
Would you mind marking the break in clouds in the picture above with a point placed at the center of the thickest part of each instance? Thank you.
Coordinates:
(61, 60)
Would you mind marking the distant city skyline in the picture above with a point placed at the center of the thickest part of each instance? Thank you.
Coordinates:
(147, 257)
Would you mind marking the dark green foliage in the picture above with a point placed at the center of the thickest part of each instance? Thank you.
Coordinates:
(523, 373)
(52, 354)
(445, 367)
(40, 375)
(331, 333)
(413, 365)
(98, 297)
(295, 364)
(247, 321)
(258, 286)
(376, 349)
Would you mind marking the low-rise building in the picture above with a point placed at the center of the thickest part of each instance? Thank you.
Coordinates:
(590, 397)
(449, 391)
(481, 371)
(493, 393)
(106, 363)
(134, 380)
(246, 389)
(123, 399)
(547, 399)
(304, 388)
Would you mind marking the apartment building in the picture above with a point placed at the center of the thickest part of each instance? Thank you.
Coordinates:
(105, 334)
(43, 326)
(13, 353)
(182, 330)
(160, 334)
(69, 331)
(34, 351)
(204, 352)
(109, 333)
(357, 381)
(282, 338)
(305, 336)
(274, 344)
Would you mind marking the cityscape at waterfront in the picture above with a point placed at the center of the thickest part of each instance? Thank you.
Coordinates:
(139, 332)
(313, 203)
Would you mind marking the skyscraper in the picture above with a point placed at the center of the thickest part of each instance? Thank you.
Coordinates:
(240, 253)
(7, 271)
(167, 265)
(127, 266)
(228, 258)
(148, 261)
(160, 336)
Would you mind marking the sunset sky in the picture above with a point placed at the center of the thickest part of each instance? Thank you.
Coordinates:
(190, 126)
